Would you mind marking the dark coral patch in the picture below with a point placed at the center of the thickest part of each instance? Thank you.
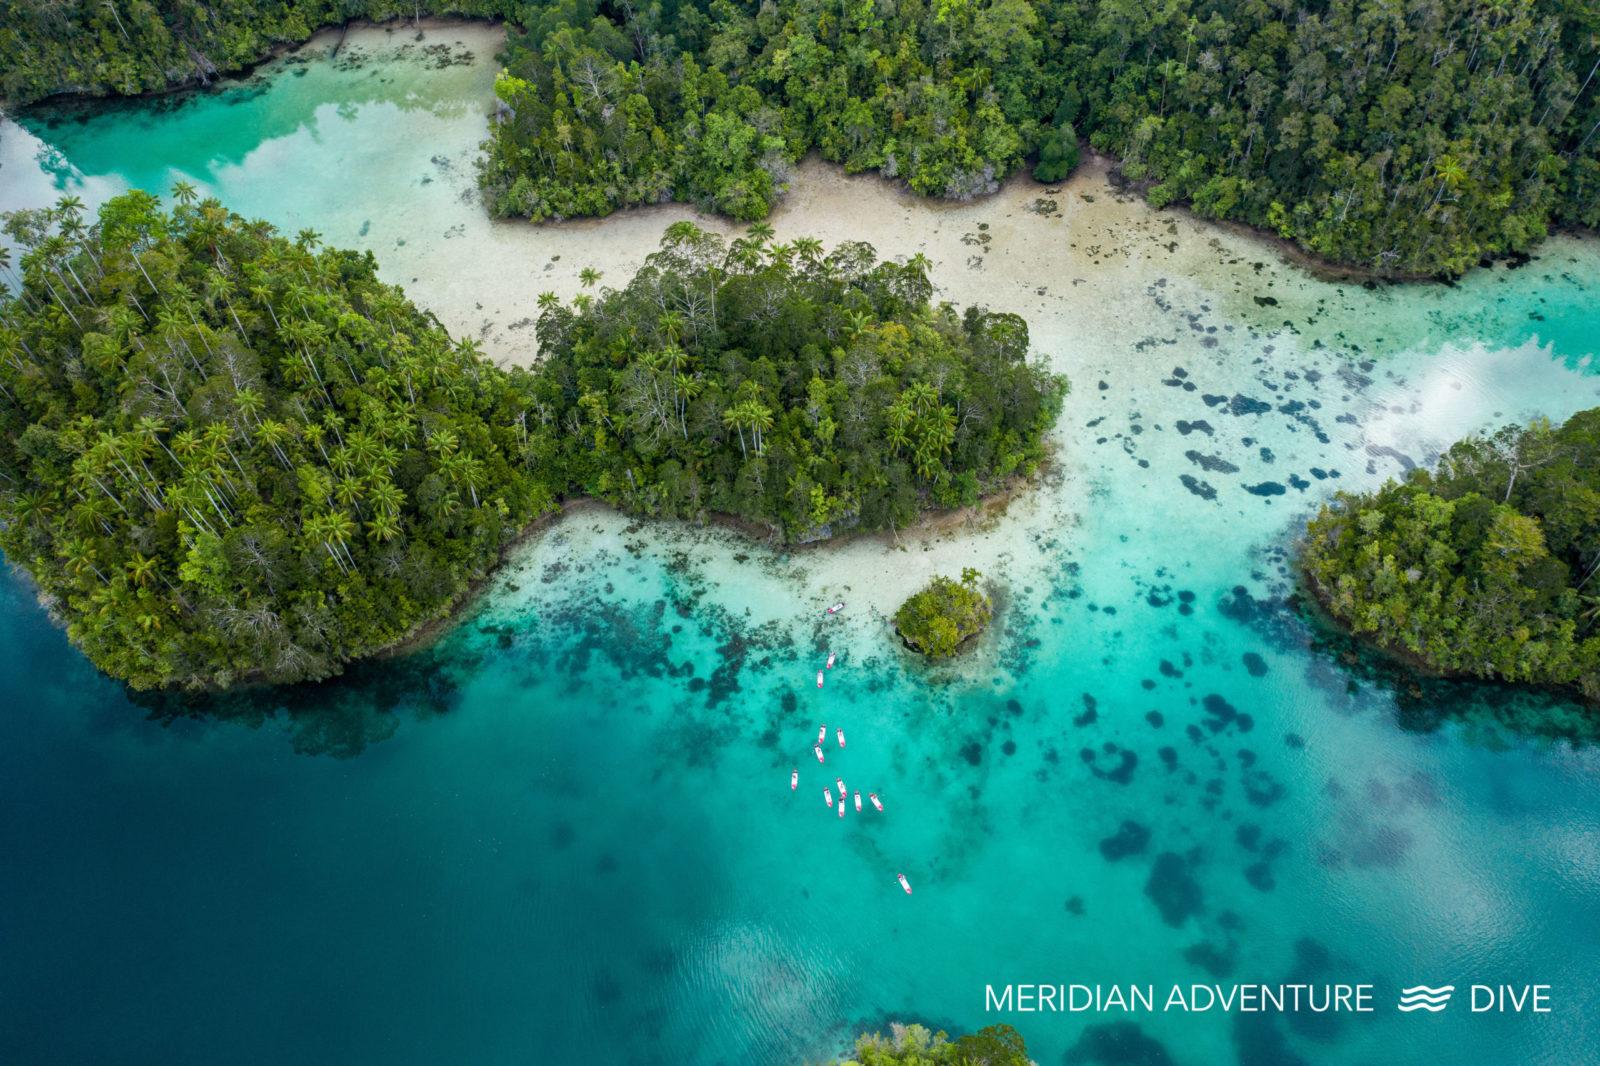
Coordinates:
(1118, 1044)
(1131, 838)
(1113, 764)
(1173, 889)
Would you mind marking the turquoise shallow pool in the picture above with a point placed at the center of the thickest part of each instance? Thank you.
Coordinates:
(565, 834)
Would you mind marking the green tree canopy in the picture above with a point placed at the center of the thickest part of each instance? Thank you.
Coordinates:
(944, 614)
(1411, 138)
(1485, 567)
(916, 1045)
(803, 391)
(1402, 136)
(227, 455)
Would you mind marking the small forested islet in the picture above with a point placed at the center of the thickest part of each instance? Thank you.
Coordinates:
(944, 614)
(232, 456)
(1485, 567)
(916, 1045)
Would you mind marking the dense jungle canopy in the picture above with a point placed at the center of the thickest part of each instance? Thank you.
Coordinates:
(227, 455)
(1402, 136)
(1485, 567)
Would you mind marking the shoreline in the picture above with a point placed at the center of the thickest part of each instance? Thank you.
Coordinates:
(1403, 663)
(932, 522)
(420, 637)
(426, 633)
(1107, 166)
(70, 98)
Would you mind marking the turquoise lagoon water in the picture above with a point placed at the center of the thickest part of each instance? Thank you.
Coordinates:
(565, 834)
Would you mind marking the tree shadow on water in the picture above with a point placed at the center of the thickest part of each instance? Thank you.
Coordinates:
(340, 717)
(1353, 673)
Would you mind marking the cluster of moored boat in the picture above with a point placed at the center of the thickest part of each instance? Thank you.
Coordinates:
(844, 795)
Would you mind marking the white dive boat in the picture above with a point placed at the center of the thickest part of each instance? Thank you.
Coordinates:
(818, 750)
(873, 796)
(904, 883)
(819, 678)
(830, 661)
(794, 779)
(841, 808)
(822, 733)
(836, 608)
(841, 737)
(840, 782)
(827, 797)
(858, 801)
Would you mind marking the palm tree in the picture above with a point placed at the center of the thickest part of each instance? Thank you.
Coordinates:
(333, 529)
(899, 418)
(273, 434)
(760, 232)
(80, 557)
(220, 286)
(140, 569)
(745, 254)
(588, 276)
(443, 442)
(250, 403)
(671, 324)
(184, 193)
(734, 418)
(349, 491)
(462, 469)
(386, 497)
(687, 387)
(760, 416)
(28, 507)
(921, 396)
(383, 526)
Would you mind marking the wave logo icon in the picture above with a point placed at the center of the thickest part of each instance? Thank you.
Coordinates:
(1421, 997)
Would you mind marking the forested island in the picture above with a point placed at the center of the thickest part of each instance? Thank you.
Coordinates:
(1485, 567)
(232, 456)
(804, 391)
(1411, 139)
(229, 456)
(1408, 140)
